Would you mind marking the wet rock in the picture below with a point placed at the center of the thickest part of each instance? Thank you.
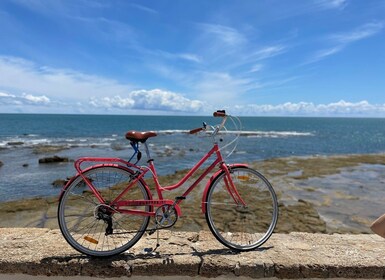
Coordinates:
(59, 183)
(16, 143)
(301, 216)
(43, 149)
(117, 147)
(1, 163)
(53, 159)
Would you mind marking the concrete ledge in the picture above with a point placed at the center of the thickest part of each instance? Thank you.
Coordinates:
(36, 251)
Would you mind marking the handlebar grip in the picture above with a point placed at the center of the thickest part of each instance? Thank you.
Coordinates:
(196, 130)
(220, 113)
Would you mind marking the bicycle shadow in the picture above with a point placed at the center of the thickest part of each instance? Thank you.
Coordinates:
(126, 257)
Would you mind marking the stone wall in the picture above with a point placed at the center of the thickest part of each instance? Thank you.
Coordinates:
(39, 251)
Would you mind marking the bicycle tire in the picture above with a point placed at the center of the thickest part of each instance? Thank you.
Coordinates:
(242, 228)
(83, 221)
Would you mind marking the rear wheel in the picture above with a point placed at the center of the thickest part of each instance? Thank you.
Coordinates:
(98, 229)
(237, 226)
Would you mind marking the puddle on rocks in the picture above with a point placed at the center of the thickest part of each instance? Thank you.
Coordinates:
(348, 201)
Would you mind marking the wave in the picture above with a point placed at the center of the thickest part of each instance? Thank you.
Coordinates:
(260, 134)
(275, 134)
(26, 142)
(32, 141)
(22, 142)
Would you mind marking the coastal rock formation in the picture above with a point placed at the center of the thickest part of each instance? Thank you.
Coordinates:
(42, 213)
(43, 149)
(59, 183)
(53, 159)
(15, 143)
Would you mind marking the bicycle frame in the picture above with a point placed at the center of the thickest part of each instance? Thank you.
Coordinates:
(142, 171)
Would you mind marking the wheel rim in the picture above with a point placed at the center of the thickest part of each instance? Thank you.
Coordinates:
(242, 227)
(84, 225)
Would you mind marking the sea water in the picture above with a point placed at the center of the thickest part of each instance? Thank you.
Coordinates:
(23, 138)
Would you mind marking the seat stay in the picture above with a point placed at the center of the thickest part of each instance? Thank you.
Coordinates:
(134, 179)
(105, 162)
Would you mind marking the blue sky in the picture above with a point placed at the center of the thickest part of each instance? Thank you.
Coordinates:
(291, 58)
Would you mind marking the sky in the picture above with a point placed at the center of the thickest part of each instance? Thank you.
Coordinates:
(250, 57)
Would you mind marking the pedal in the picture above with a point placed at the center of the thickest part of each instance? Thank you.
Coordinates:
(151, 252)
(148, 250)
(180, 198)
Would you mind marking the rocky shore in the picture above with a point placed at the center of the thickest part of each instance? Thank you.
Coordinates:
(302, 202)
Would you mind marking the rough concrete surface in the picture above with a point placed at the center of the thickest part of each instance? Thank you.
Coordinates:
(39, 251)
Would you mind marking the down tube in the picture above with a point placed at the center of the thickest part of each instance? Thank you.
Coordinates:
(194, 169)
(211, 167)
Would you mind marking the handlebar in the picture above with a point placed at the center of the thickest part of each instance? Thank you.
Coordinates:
(220, 113)
(196, 130)
(215, 129)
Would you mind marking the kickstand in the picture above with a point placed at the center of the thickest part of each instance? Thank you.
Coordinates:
(151, 250)
(157, 241)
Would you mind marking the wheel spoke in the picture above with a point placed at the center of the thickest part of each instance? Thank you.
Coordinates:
(97, 229)
(236, 226)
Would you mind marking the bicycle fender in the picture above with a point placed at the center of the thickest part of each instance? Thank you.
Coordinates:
(97, 166)
(212, 179)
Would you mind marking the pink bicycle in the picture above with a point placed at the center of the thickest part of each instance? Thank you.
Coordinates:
(106, 208)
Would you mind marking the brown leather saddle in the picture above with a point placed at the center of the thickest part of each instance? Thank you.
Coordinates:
(139, 136)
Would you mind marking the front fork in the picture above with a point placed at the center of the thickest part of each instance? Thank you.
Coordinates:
(230, 186)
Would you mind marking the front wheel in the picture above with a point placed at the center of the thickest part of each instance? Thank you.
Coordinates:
(95, 228)
(241, 219)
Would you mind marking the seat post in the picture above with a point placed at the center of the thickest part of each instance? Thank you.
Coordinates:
(147, 152)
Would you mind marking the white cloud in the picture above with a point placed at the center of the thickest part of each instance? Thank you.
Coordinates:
(189, 56)
(53, 82)
(269, 51)
(219, 88)
(24, 99)
(225, 34)
(112, 102)
(341, 108)
(343, 40)
(256, 68)
(144, 8)
(36, 99)
(155, 99)
(324, 53)
(9, 99)
(362, 32)
(47, 85)
(3, 94)
(332, 4)
(168, 55)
